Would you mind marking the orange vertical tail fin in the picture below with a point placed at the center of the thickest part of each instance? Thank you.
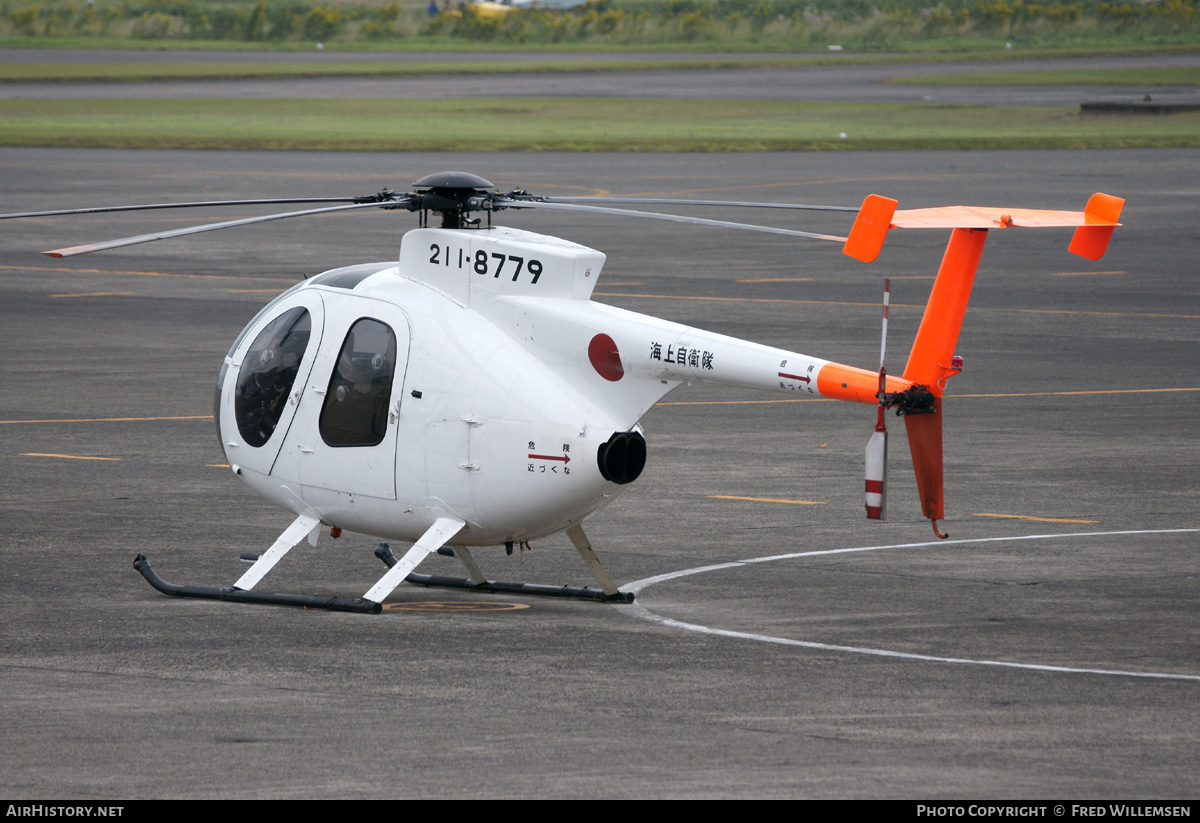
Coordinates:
(931, 361)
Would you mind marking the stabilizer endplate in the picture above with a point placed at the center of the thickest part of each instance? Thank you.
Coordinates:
(1091, 241)
(870, 228)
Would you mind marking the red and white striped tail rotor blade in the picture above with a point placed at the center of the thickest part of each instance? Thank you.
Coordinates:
(887, 299)
(875, 497)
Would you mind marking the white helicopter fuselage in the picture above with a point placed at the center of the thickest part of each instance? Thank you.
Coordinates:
(475, 380)
(473, 394)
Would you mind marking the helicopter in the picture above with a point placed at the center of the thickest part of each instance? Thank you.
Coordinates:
(471, 393)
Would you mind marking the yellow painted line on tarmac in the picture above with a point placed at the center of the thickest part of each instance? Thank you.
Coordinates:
(1085, 273)
(949, 396)
(67, 456)
(1072, 393)
(110, 419)
(765, 280)
(1156, 315)
(742, 299)
(217, 465)
(768, 500)
(1075, 312)
(99, 294)
(1038, 519)
(144, 273)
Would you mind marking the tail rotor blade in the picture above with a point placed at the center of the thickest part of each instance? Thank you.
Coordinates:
(875, 498)
(887, 299)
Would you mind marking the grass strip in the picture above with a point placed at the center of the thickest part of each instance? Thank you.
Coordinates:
(541, 124)
(1183, 76)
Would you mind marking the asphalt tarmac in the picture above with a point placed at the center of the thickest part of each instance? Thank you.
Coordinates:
(1047, 649)
(826, 83)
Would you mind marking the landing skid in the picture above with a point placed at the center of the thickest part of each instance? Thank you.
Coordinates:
(399, 570)
(305, 527)
(316, 601)
(384, 553)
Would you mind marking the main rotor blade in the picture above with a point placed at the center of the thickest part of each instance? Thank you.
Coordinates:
(656, 201)
(198, 204)
(675, 218)
(72, 251)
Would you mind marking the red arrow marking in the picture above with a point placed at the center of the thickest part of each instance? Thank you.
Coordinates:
(806, 379)
(565, 458)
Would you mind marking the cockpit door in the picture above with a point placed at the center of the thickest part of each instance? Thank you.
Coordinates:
(344, 436)
(264, 376)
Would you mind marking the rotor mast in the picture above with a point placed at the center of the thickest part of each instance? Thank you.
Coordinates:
(453, 195)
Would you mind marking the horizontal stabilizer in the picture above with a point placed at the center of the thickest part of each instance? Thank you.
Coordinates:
(984, 217)
(1093, 225)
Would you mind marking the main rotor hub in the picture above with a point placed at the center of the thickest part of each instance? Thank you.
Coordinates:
(453, 195)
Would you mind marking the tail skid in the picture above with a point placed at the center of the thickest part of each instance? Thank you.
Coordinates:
(932, 361)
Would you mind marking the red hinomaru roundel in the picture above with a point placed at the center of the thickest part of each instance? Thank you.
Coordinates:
(606, 360)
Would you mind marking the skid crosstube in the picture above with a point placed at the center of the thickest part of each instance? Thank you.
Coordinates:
(333, 604)
(384, 553)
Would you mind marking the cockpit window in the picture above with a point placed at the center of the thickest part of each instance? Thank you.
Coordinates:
(355, 412)
(268, 372)
(263, 312)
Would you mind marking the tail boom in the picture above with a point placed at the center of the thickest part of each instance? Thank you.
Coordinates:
(839, 382)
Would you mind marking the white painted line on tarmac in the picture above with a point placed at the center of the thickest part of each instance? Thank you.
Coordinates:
(637, 610)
